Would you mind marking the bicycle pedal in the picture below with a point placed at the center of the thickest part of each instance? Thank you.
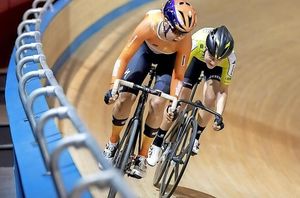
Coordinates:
(177, 160)
(133, 175)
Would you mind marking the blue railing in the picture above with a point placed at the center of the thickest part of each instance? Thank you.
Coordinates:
(36, 83)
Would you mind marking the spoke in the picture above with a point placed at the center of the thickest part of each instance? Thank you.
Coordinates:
(164, 184)
(170, 177)
(176, 170)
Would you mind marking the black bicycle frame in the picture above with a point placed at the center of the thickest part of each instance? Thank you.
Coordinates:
(176, 136)
(135, 123)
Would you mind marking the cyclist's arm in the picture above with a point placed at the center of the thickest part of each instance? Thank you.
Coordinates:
(182, 57)
(140, 34)
(221, 99)
(185, 92)
(229, 66)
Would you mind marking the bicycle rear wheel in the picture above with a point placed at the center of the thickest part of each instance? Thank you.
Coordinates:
(178, 160)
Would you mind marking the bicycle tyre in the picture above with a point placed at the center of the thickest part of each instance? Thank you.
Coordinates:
(160, 168)
(180, 155)
(126, 144)
(166, 148)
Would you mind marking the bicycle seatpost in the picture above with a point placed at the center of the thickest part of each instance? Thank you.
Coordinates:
(152, 73)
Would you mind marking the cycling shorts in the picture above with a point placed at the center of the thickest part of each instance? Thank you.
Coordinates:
(194, 70)
(140, 64)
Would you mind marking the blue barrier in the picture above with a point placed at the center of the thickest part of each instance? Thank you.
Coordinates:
(35, 177)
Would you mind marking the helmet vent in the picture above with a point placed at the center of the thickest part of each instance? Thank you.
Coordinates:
(182, 16)
(226, 49)
(190, 21)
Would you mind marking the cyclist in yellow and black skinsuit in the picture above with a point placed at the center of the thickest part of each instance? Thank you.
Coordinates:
(223, 70)
(212, 52)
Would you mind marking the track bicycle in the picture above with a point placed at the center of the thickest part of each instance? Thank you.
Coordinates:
(130, 143)
(178, 144)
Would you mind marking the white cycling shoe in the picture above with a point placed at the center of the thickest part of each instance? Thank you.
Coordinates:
(196, 146)
(110, 150)
(140, 168)
(154, 154)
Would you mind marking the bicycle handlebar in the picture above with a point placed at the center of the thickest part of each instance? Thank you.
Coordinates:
(199, 104)
(142, 88)
(159, 93)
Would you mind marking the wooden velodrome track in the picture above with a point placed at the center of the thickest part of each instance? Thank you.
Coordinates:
(258, 152)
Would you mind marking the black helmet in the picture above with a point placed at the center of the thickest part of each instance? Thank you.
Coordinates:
(219, 42)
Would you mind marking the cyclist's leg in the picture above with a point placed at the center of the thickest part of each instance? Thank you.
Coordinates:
(157, 105)
(164, 70)
(155, 150)
(191, 75)
(136, 72)
(151, 126)
(120, 112)
(166, 122)
(153, 121)
(210, 92)
(196, 145)
(156, 110)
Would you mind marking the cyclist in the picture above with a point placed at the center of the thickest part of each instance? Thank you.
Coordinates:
(212, 52)
(163, 38)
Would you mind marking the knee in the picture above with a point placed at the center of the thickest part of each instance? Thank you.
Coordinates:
(157, 105)
(209, 99)
(126, 99)
(123, 104)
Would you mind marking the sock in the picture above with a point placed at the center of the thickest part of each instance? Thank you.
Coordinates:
(113, 143)
(159, 137)
(199, 131)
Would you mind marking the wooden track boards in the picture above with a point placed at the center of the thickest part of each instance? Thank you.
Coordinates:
(258, 153)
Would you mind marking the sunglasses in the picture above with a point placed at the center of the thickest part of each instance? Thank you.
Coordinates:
(175, 31)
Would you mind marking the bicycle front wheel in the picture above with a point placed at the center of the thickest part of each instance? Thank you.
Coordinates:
(166, 151)
(122, 159)
(179, 158)
(161, 166)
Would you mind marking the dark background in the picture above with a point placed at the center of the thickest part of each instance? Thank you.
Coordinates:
(11, 12)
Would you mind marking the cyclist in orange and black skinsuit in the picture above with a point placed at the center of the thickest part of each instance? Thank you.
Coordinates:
(163, 37)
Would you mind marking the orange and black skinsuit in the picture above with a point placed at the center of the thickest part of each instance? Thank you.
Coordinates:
(146, 47)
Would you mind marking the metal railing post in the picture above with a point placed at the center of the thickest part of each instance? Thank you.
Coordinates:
(29, 50)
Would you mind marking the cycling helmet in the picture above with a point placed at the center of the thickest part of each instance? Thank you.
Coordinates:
(180, 14)
(219, 42)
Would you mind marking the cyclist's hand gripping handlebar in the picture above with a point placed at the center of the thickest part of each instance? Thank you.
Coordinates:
(218, 123)
(109, 98)
(156, 92)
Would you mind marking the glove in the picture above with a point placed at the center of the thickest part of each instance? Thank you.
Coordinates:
(109, 98)
(171, 115)
(218, 124)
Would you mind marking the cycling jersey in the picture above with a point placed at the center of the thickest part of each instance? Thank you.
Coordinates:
(222, 72)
